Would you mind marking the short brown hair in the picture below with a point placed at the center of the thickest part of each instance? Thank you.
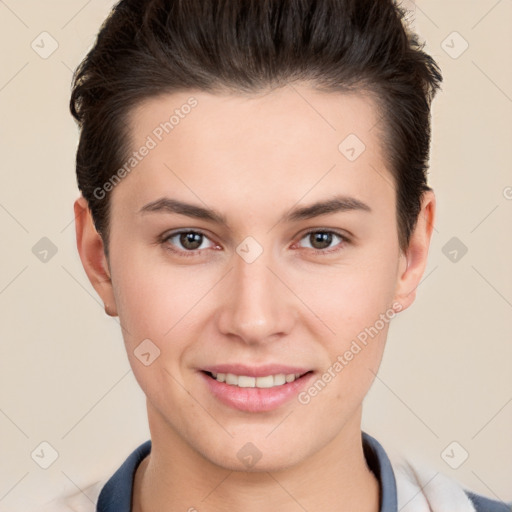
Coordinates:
(146, 48)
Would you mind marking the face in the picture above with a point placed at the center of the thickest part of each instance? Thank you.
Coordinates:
(255, 242)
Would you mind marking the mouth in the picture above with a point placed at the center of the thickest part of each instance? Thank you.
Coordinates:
(262, 382)
(255, 390)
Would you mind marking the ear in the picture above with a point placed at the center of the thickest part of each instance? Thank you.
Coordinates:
(92, 253)
(414, 261)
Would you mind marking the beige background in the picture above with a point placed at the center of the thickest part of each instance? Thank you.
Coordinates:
(65, 378)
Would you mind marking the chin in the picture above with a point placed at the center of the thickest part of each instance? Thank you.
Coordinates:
(257, 456)
(269, 463)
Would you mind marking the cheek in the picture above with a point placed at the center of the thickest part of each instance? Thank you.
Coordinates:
(155, 310)
(350, 297)
(150, 295)
(166, 305)
(355, 303)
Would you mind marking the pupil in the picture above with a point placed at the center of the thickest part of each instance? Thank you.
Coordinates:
(324, 240)
(187, 240)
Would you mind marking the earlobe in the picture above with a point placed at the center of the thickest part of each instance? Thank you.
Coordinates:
(413, 263)
(92, 254)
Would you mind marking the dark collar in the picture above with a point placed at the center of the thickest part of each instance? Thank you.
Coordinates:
(116, 495)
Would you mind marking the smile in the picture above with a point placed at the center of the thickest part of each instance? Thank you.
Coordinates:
(267, 389)
(246, 381)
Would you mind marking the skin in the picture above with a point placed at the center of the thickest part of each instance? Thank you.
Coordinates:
(253, 158)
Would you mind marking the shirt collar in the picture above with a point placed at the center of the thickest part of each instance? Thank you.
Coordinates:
(116, 495)
(380, 465)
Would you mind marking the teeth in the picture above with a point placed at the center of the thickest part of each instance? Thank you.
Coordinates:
(244, 381)
(231, 379)
(280, 379)
(267, 382)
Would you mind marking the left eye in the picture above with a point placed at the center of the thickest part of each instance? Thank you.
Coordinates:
(321, 240)
(189, 240)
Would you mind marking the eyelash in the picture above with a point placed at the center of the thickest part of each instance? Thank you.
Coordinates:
(187, 254)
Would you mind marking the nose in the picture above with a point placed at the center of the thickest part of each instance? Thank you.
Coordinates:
(256, 306)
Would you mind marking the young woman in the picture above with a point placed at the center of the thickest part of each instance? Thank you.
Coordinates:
(255, 204)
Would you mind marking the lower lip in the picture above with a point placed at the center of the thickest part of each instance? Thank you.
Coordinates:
(256, 399)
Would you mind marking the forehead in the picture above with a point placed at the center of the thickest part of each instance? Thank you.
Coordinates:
(281, 144)
(279, 116)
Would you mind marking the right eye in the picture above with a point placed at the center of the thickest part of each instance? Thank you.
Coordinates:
(191, 242)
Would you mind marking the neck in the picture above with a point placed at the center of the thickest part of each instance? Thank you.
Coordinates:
(335, 479)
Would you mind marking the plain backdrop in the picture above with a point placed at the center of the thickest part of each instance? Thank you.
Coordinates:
(444, 390)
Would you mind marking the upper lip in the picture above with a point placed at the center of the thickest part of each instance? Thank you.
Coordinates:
(255, 371)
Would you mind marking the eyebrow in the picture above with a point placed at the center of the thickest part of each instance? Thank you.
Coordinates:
(329, 206)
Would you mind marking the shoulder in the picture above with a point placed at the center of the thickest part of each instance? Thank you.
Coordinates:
(83, 500)
(483, 504)
(112, 493)
(422, 488)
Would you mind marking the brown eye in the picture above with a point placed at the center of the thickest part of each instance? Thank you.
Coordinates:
(190, 240)
(322, 240)
(188, 243)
